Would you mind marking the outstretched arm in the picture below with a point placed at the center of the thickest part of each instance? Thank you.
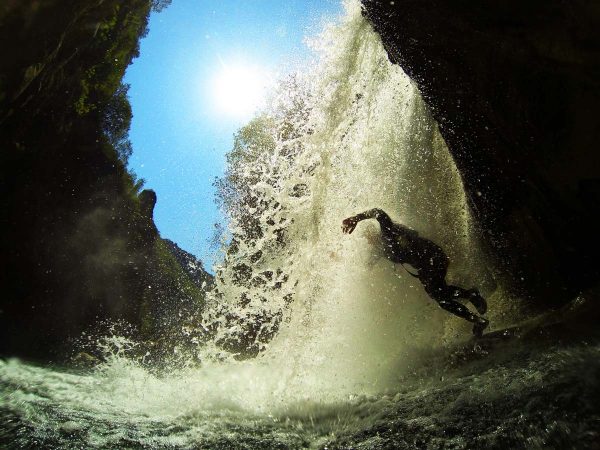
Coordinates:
(349, 224)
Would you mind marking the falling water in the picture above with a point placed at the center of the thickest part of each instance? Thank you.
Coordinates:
(342, 331)
(355, 321)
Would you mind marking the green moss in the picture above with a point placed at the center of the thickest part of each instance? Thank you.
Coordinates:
(77, 247)
(169, 266)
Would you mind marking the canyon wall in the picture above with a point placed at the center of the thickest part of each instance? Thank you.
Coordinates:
(80, 250)
(515, 89)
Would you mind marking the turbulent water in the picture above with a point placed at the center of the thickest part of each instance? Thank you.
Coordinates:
(352, 352)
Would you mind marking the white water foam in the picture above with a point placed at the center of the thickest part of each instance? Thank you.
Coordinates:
(356, 322)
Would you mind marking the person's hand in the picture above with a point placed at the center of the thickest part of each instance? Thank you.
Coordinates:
(349, 224)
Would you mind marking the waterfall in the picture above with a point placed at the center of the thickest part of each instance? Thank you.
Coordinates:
(328, 317)
(312, 339)
(335, 316)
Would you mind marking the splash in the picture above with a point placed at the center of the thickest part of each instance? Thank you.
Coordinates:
(329, 316)
(339, 335)
(326, 316)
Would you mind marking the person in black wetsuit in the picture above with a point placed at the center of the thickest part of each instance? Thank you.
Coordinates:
(403, 245)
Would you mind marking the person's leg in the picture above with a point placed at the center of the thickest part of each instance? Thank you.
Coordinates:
(477, 301)
(438, 269)
(472, 295)
(460, 310)
(443, 294)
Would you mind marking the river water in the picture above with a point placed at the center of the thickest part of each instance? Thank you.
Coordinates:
(352, 353)
(513, 398)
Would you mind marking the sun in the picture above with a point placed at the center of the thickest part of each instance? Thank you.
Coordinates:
(239, 90)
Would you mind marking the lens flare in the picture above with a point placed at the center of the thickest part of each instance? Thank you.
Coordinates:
(239, 90)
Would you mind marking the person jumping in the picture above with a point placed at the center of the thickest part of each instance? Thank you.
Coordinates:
(403, 245)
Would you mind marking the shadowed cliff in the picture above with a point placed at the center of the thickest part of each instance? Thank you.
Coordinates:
(515, 88)
(79, 244)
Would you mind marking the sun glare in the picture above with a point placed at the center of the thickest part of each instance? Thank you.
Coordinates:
(239, 90)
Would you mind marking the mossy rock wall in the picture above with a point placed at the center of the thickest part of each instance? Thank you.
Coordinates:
(79, 247)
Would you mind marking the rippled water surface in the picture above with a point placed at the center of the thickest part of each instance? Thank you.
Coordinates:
(508, 399)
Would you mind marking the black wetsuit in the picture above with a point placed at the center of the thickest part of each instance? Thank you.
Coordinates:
(403, 245)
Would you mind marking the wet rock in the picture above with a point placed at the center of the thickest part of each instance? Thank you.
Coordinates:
(515, 89)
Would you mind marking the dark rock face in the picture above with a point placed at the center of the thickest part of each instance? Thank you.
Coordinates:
(79, 246)
(515, 88)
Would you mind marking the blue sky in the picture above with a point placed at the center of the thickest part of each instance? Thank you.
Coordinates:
(179, 134)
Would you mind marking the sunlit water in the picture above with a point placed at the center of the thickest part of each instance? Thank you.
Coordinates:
(361, 358)
(521, 399)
